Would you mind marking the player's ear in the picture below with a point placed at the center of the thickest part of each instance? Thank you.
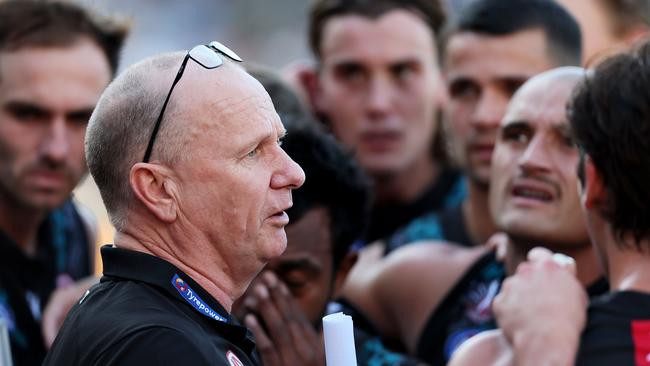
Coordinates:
(594, 195)
(342, 273)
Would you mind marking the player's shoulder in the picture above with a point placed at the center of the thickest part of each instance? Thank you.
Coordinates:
(486, 348)
(432, 257)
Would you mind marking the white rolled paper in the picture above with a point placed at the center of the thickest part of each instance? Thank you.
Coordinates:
(339, 340)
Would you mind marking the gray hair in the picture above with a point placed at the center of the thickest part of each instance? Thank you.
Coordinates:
(121, 125)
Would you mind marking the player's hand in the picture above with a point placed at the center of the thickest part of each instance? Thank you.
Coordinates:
(286, 338)
(542, 306)
(60, 303)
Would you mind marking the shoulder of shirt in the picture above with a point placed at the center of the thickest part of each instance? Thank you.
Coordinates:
(160, 345)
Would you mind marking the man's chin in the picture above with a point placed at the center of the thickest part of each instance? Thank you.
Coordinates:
(479, 175)
(275, 246)
(381, 168)
(45, 201)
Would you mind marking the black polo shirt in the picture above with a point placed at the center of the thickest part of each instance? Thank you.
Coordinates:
(145, 311)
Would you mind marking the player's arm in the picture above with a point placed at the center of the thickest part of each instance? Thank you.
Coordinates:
(542, 311)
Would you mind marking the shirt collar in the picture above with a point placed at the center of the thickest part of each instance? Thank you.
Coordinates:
(133, 265)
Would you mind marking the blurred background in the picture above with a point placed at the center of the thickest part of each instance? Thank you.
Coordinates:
(268, 32)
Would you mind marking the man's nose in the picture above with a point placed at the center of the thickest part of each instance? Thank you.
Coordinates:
(379, 97)
(489, 110)
(290, 175)
(536, 156)
(56, 141)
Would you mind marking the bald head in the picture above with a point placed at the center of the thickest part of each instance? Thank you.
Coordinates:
(533, 189)
(544, 93)
(122, 122)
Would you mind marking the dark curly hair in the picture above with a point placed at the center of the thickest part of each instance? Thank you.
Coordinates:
(334, 181)
(610, 117)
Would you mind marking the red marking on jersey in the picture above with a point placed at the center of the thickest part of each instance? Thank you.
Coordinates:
(641, 340)
(233, 360)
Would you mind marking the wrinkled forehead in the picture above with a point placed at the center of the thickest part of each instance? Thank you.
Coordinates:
(223, 94)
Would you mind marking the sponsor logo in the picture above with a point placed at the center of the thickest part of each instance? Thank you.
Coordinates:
(180, 284)
(233, 360)
(193, 299)
(641, 339)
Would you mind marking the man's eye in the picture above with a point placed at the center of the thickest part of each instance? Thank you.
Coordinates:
(351, 73)
(295, 281)
(28, 114)
(515, 136)
(253, 153)
(569, 141)
(403, 71)
(511, 86)
(296, 287)
(464, 89)
(79, 118)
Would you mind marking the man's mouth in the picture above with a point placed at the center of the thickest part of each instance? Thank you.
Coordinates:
(380, 140)
(532, 193)
(279, 218)
(47, 178)
(482, 151)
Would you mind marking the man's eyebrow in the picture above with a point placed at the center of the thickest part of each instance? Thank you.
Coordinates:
(408, 60)
(81, 113)
(518, 123)
(295, 264)
(17, 105)
(22, 106)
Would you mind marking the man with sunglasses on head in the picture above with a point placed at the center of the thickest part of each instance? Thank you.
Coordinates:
(196, 184)
(55, 61)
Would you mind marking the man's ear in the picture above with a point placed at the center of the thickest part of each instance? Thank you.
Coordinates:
(314, 89)
(302, 76)
(636, 34)
(154, 188)
(342, 274)
(594, 195)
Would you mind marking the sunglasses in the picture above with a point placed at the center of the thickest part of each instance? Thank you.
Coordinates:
(208, 56)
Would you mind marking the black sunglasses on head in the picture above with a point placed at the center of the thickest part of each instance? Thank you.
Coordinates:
(208, 56)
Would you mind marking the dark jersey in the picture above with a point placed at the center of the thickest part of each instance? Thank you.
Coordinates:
(617, 331)
(26, 283)
(465, 311)
(446, 225)
(145, 311)
(448, 191)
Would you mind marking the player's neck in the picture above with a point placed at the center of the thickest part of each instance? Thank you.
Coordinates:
(21, 224)
(477, 214)
(588, 268)
(407, 185)
(629, 268)
(198, 260)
